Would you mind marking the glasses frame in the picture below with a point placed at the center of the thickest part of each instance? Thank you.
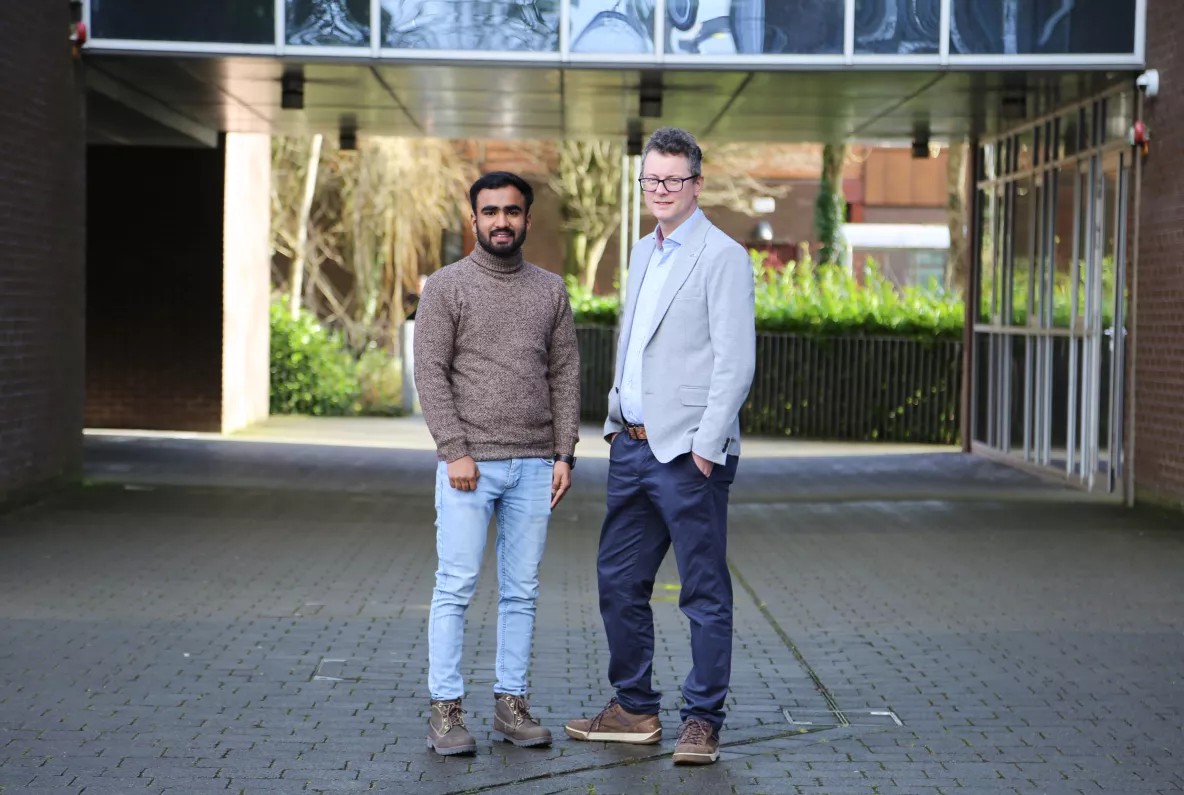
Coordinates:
(677, 180)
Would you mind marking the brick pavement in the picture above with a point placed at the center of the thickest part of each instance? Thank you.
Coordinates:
(228, 617)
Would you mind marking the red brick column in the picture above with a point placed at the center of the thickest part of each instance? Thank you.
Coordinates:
(1159, 366)
(42, 228)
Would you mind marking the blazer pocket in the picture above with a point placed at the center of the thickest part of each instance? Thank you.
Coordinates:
(693, 395)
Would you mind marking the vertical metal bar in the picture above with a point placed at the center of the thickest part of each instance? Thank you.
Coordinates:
(565, 29)
(1132, 315)
(636, 169)
(796, 402)
(1075, 282)
(627, 186)
(1118, 360)
(659, 28)
(281, 27)
(376, 27)
(849, 32)
(944, 26)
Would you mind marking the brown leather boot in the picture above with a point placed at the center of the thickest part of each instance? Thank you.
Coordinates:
(614, 725)
(447, 734)
(513, 723)
(698, 743)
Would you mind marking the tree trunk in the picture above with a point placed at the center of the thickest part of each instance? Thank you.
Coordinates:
(595, 254)
(830, 208)
(300, 255)
(956, 264)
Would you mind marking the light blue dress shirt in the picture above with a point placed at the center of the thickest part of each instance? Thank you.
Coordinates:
(656, 274)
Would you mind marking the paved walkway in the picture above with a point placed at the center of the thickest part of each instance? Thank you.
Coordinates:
(224, 616)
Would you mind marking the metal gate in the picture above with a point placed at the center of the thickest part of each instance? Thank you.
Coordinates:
(1051, 262)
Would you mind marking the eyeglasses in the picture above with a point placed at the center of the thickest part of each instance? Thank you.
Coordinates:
(672, 184)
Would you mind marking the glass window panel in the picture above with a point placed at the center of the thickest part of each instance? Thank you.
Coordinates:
(1120, 115)
(218, 21)
(987, 264)
(1022, 239)
(341, 23)
(754, 27)
(612, 26)
(466, 25)
(1110, 166)
(1048, 27)
(983, 350)
(1064, 249)
(897, 27)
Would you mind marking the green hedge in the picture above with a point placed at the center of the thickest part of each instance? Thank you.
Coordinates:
(824, 301)
(314, 372)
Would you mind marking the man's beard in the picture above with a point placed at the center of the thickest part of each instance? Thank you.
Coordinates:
(504, 250)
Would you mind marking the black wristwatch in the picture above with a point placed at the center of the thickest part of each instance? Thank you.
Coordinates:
(570, 460)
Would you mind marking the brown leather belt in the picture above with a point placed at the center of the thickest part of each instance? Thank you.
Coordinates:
(636, 432)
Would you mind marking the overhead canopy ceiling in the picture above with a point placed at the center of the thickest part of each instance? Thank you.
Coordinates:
(188, 99)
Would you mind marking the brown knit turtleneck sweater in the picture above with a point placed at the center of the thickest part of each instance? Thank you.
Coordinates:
(497, 367)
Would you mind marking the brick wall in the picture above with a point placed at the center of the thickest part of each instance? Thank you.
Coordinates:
(41, 251)
(154, 288)
(1159, 367)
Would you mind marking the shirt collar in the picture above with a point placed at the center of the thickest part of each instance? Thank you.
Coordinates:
(684, 229)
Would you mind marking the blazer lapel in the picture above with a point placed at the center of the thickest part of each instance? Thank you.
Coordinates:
(637, 269)
(684, 263)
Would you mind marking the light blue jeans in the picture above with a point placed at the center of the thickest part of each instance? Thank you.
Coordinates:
(518, 492)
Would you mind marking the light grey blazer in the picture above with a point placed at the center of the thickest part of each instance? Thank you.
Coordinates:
(698, 363)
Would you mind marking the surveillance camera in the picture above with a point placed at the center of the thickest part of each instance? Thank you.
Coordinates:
(1148, 83)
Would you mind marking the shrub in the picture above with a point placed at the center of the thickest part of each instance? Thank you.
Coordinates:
(380, 377)
(824, 301)
(590, 309)
(311, 370)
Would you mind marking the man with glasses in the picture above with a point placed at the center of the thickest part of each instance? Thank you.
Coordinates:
(685, 363)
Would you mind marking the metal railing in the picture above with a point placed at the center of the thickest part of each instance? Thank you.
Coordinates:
(830, 388)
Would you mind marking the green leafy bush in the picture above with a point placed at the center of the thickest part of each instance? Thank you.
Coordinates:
(826, 301)
(311, 370)
(590, 309)
(380, 377)
(314, 372)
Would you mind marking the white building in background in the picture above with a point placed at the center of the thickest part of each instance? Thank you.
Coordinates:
(908, 255)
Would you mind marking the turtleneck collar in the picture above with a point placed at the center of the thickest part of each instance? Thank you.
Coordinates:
(496, 263)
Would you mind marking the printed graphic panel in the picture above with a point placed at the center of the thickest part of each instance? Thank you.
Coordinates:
(338, 23)
(754, 27)
(218, 21)
(1046, 27)
(497, 25)
(612, 26)
(897, 27)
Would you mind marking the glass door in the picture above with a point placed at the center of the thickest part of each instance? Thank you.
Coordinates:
(1050, 336)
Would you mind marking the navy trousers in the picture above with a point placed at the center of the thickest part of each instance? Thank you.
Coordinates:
(650, 506)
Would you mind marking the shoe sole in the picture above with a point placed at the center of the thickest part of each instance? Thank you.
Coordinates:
(695, 759)
(632, 738)
(464, 749)
(537, 741)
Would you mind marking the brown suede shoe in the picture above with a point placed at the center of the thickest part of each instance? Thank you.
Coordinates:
(614, 725)
(698, 743)
(513, 723)
(447, 734)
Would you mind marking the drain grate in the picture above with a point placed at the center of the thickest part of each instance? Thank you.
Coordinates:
(328, 670)
(822, 718)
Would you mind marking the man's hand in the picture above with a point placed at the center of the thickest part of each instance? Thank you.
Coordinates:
(463, 474)
(704, 465)
(560, 482)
